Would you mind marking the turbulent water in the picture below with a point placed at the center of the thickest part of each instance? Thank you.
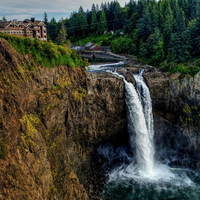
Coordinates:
(104, 66)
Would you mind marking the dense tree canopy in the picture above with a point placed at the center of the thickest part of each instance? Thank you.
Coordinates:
(156, 31)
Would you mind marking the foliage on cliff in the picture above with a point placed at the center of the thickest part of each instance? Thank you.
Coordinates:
(46, 53)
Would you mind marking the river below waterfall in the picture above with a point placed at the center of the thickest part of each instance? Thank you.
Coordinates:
(186, 187)
(137, 174)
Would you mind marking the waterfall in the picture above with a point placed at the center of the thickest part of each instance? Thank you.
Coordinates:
(144, 177)
(140, 124)
(141, 132)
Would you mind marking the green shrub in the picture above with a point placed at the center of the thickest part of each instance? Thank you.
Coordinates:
(186, 68)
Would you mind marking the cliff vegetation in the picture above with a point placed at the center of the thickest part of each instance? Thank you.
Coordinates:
(47, 54)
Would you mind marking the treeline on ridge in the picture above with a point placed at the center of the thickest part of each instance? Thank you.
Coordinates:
(158, 32)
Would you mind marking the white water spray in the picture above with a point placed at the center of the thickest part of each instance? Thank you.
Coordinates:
(141, 131)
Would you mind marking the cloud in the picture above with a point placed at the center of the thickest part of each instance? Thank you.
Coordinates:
(22, 9)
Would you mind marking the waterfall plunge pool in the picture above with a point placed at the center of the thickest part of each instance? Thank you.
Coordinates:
(175, 189)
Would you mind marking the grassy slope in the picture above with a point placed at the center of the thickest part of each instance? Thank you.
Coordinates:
(47, 54)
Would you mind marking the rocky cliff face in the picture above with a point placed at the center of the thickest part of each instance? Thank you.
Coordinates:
(50, 122)
(176, 114)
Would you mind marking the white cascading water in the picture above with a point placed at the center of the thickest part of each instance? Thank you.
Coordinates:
(140, 111)
(141, 131)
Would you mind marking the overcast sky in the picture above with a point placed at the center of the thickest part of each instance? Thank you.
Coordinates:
(25, 9)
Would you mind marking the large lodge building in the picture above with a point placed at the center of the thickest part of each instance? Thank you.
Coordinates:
(28, 28)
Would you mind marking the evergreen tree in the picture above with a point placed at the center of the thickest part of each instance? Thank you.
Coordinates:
(62, 34)
(145, 26)
(140, 9)
(81, 21)
(152, 10)
(180, 25)
(193, 9)
(4, 19)
(175, 8)
(179, 42)
(88, 16)
(158, 54)
(168, 24)
(130, 25)
(93, 8)
(193, 32)
(94, 24)
(53, 29)
(117, 24)
(73, 23)
(53, 20)
(45, 18)
(102, 22)
(131, 8)
(97, 7)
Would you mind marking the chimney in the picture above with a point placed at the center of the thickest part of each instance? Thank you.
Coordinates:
(33, 20)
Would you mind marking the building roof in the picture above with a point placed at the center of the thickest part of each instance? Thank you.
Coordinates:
(26, 23)
(88, 44)
(34, 23)
(92, 47)
(4, 24)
